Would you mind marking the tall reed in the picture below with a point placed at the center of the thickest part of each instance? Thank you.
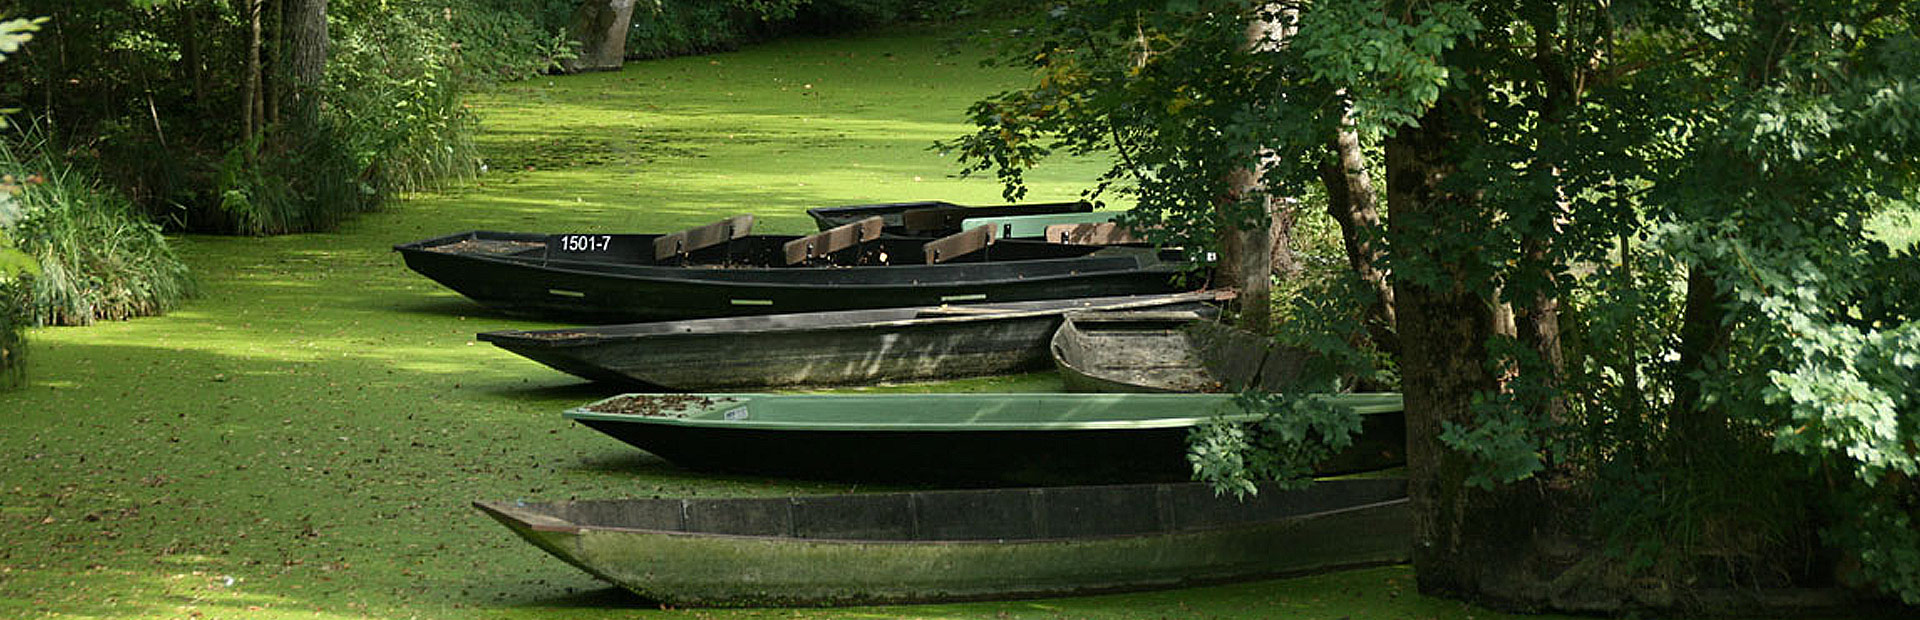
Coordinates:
(99, 258)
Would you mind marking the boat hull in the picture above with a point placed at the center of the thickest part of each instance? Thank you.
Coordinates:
(1153, 352)
(973, 545)
(601, 292)
(982, 450)
(855, 347)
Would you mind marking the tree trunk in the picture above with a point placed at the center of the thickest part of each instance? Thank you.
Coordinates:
(1500, 546)
(1537, 319)
(600, 27)
(306, 36)
(1250, 255)
(190, 34)
(1704, 343)
(1352, 203)
(252, 117)
(274, 73)
(1443, 330)
(1246, 261)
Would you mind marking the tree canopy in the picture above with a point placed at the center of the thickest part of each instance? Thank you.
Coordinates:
(1632, 253)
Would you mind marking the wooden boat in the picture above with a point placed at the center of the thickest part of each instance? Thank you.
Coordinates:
(624, 278)
(929, 546)
(1022, 438)
(932, 218)
(1162, 351)
(848, 347)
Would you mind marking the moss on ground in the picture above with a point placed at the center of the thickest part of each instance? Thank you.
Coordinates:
(302, 440)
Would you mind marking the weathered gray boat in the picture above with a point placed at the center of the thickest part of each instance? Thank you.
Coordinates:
(1021, 438)
(965, 545)
(853, 347)
(1162, 351)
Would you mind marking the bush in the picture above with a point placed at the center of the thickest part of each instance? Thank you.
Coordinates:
(394, 86)
(16, 271)
(98, 257)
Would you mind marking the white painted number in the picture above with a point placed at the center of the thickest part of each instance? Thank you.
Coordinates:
(585, 243)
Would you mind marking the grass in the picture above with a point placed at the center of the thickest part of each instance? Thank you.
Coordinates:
(302, 439)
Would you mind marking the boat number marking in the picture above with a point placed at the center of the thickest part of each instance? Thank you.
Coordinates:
(565, 293)
(585, 243)
(973, 297)
(736, 413)
(752, 302)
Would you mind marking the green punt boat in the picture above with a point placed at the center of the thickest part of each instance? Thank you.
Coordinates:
(1019, 438)
(965, 545)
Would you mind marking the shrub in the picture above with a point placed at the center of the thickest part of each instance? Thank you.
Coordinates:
(98, 257)
(16, 271)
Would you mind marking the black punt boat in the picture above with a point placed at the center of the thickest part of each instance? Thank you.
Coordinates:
(847, 347)
(627, 277)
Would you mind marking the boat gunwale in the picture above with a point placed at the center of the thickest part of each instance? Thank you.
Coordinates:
(496, 508)
(584, 413)
(588, 337)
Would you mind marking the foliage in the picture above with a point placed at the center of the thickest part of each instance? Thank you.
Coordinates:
(98, 258)
(401, 115)
(1692, 181)
(1322, 311)
(154, 91)
(1175, 95)
(17, 268)
(496, 41)
(1293, 432)
(663, 28)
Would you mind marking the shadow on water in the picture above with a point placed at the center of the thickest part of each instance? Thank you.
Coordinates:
(592, 599)
(447, 307)
(575, 391)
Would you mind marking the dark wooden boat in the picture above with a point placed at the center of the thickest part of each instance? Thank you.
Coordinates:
(965, 545)
(1162, 351)
(1021, 438)
(624, 278)
(932, 218)
(848, 347)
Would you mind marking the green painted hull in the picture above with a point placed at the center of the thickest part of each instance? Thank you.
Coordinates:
(1018, 438)
(965, 545)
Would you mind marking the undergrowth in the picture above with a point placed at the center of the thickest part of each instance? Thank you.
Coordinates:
(98, 257)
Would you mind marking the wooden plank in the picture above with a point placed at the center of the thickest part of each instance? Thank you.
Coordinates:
(1135, 316)
(958, 244)
(1104, 233)
(933, 218)
(833, 240)
(692, 239)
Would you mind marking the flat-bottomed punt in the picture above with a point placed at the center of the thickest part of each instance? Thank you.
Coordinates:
(627, 278)
(850, 347)
(965, 545)
(966, 438)
(1163, 351)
